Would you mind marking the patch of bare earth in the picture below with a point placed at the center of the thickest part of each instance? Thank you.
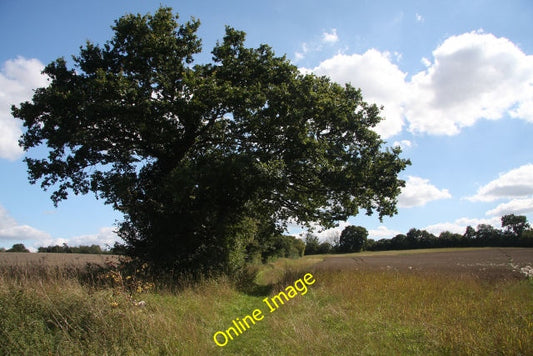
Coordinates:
(486, 263)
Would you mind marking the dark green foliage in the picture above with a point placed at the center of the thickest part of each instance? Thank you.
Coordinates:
(324, 247)
(449, 239)
(527, 238)
(18, 248)
(93, 249)
(312, 244)
(207, 162)
(515, 224)
(297, 245)
(470, 234)
(118, 249)
(353, 239)
(369, 245)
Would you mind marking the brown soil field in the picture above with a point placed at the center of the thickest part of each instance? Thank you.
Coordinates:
(53, 259)
(486, 263)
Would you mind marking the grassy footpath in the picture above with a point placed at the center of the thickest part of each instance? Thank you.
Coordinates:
(343, 313)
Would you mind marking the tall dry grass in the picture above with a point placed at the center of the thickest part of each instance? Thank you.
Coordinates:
(57, 312)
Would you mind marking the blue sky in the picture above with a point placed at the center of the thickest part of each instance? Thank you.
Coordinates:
(455, 78)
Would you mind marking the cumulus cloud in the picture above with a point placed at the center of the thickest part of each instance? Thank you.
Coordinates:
(18, 77)
(106, 236)
(418, 192)
(380, 80)
(471, 76)
(515, 206)
(10, 230)
(474, 75)
(323, 235)
(513, 184)
(459, 225)
(382, 232)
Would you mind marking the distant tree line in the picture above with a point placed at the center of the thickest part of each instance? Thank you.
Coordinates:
(275, 247)
(515, 232)
(92, 249)
(15, 248)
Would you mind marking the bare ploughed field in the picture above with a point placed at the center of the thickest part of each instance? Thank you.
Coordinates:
(486, 263)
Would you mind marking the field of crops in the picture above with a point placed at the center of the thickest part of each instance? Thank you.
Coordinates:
(52, 259)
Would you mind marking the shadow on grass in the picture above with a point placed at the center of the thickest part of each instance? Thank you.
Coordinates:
(246, 282)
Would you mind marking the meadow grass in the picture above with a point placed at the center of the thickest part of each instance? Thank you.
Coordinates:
(372, 312)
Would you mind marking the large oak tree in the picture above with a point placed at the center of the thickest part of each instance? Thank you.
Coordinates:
(204, 160)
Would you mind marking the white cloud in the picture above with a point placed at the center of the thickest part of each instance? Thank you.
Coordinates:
(18, 78)
(515, 206)
(459, 225)
(418, 192)
(22, 232)
(6, 221)
(403, 144)
(323, 235)
(513, 184)
(471, 76)
(382, 232)
(105, 236)
(436, 229)
(381, 82)
(330, 37)
(12, 231)
(419, 18)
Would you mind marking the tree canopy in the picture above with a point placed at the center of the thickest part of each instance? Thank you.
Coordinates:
(18, 248)
(515, 224)
(204, 159)
(353, 239)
